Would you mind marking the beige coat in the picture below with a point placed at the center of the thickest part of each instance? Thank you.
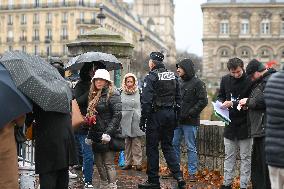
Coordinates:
(8, 156)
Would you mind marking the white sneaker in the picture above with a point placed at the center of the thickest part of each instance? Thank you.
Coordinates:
(88, 185)
(72, 175)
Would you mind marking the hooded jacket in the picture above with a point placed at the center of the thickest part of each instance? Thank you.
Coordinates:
(81, 93)
(235, 88)
(193, 95)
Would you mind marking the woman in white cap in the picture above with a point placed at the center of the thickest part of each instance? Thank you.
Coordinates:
(105, 104)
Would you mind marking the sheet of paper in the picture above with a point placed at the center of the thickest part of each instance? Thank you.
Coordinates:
(223, 113)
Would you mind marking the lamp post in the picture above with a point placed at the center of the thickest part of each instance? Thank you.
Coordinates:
(101, 16)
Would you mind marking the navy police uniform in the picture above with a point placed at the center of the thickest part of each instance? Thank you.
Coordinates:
(160, 96)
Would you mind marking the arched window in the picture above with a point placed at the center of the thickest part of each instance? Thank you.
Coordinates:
(224, 53)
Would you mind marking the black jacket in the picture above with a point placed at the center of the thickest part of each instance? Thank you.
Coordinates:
(237, 89)
(54, 141)
(274, 98)
(193, 96)
(150, 88)
(256, 106)
(81, 93)
(108, 120)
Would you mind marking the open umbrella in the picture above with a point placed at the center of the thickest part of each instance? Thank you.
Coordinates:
(38, 80)
(109, 60)
(13, 102)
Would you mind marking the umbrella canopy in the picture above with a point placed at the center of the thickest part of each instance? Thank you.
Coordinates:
(13, 102)
(39, 81)
(109, 60)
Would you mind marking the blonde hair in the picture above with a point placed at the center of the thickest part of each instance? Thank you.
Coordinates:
(95, 95)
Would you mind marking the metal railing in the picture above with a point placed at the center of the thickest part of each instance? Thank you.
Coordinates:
(47, 5)
(26, 154)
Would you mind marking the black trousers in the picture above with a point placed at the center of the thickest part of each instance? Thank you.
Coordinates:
(259, 168)
(54, 180)
(160, 128)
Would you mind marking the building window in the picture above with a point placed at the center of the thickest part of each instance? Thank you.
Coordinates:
(10, 4)
(36, 19)
(36, 3)
(49, 2)
(82, 31)
(265, 27)
(23, 19)
(36, 50)
(224, 53)
(64, 33)
(282, 26)
(63, 2)
(10, 48)
(82, 16)
(245, 27)
(224, 27)
(264, 53)
(36, 35)
(48, 18)
(81, 2)
(65, 17)
(23, 36)
(24, 49)
(48, 34)
(64, 49)
(245, 53)
(10, 37)
(94, 18)
(48, 50)
(282, 54)
(10, 20)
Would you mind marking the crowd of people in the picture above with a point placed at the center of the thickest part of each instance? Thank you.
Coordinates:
(166, 110)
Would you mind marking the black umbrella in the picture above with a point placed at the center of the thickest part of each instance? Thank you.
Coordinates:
(109, 60)
(13, 102)
(39, 81)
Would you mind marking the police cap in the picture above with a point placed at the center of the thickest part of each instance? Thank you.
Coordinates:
(158, 56)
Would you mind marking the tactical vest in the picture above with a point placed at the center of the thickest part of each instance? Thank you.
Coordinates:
(165, 88)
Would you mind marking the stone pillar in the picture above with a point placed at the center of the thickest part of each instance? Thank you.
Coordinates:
(103, 40)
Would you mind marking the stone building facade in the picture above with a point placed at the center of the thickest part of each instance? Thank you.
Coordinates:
(158, 15)
(44, 27)
(241, 28)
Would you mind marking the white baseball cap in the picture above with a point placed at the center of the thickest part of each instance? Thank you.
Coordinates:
(102, 74)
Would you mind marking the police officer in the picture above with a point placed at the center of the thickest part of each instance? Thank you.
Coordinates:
(160, 96)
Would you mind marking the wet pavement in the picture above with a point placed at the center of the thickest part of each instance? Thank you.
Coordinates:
(126, 180)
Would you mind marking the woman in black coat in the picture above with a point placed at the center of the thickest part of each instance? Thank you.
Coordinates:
(105, 103)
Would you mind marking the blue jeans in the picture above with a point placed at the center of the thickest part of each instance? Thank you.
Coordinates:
(88, 158)
(189, 132)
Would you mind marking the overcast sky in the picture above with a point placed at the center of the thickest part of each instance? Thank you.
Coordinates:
(188, 25)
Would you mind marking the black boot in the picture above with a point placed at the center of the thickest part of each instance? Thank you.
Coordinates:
(149, 185)
(226, 187)
(181, 183)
